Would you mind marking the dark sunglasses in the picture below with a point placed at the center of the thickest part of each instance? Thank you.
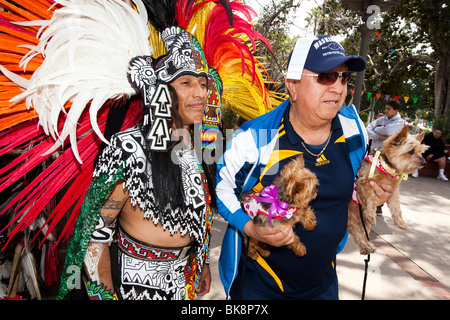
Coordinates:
(328, 78)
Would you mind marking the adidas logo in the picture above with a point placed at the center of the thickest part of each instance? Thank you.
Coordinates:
(321, 161)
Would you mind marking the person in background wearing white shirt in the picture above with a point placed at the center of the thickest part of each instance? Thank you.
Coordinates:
(381, 128)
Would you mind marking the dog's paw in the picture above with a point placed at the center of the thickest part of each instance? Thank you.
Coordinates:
(308, 220)
(400, 223)
(298, 247)
(263, 252)
(253, 255)
(309, 224)
(366, 248)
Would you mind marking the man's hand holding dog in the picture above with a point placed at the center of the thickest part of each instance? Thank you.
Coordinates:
(271, 236)
(384, 191)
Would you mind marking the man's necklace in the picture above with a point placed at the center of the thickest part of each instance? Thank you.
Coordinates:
(320, 153)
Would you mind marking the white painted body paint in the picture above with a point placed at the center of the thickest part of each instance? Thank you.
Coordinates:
(92, 258)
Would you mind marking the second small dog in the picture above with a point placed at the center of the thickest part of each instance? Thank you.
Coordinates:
(297, 186)
(400, 155)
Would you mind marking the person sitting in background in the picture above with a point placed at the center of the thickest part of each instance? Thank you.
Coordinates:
(435, 152)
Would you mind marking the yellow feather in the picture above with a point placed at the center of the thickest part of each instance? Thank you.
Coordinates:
(156, 42)
(198, 22)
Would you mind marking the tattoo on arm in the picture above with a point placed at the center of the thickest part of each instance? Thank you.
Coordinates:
(108, 219)
(114, 205)
(111, 204)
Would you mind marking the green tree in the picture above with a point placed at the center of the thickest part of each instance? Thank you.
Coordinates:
(431, 19)
(407, 56)
(274, 21)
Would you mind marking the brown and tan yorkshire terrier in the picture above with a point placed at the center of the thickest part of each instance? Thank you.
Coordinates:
(400, 155)
(297, 186)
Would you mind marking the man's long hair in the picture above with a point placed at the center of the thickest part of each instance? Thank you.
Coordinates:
(167, 176)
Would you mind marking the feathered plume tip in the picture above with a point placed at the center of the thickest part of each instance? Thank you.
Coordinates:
(185, 9)
(63, 171)
(183, 12)
(87, 45)
(12, 39)
(161, 13)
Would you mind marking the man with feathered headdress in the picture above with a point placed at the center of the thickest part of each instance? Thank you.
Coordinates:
(160, 199)
(160, 196)
(144, 227)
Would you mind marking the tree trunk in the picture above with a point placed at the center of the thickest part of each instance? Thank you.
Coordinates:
(442, 83)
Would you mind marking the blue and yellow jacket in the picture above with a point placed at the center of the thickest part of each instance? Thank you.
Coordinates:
(239, 169)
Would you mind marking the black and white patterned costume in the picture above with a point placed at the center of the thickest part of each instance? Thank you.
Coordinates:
(128, 157)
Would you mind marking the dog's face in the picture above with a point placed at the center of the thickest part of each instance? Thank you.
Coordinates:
(302, 188)
(299, 185)
(404, 151)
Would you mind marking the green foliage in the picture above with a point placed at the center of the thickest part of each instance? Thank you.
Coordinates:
(364, 117)
(273, 22)
(407, 56)
(229, 119)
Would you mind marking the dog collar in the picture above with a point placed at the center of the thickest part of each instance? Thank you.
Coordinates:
(253, 207)
(379, 163)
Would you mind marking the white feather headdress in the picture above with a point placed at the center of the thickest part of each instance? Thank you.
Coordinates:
(87, 46)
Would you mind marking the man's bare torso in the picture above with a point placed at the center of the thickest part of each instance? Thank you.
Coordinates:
(132, 221)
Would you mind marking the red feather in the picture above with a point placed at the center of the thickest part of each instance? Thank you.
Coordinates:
(184, 10)
(218, 35)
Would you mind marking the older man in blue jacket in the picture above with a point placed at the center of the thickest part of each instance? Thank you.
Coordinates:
(332, 140)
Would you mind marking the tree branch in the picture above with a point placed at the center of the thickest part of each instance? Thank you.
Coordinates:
(278, 10)
(413, 59)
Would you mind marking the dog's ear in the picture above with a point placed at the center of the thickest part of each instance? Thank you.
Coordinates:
(297, 190)
(291, 187)
(301, 160)
(423, 148)
(399, 137)
(419, 137)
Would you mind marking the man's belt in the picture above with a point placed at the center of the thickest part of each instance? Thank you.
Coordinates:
(144, 251)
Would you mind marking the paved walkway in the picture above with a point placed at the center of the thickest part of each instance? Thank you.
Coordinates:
(408, 265)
